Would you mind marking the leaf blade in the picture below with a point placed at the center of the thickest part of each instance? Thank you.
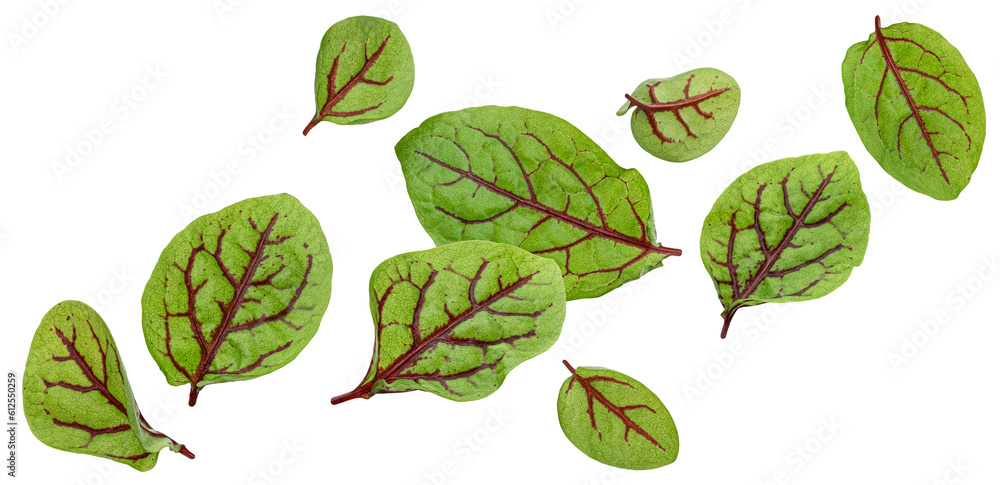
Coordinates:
(917, 106)
(787, 230)
(681, 118)
(77, 396)
(629, 409)
(364, 72)
(532, 180)
(453, 320)
(238, 293)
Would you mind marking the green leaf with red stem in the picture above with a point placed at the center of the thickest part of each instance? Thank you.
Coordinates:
(77, 396)
(532, 180)
(454, 320)
(683, 117)
(917, 106)
(237, 294)
(787, 230)
(364, 72)
(616, 420)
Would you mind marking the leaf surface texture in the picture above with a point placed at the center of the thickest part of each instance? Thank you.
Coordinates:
(238, 293)
(77, 396)
(683, 117)
(616, 420)
(364, 72)
(787, 230)
(454, 320)
(532, 180)
(917, 106)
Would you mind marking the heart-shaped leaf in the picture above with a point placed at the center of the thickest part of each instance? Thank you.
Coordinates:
(364, 72)
(532, 180)
(77, 397)
(681, 118)
(237, 294)
(616, 420)
(454, 320)
(787, 230)
(917, 106)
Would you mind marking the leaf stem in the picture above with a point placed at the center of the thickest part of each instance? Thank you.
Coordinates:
(727, 318)
(315, 121)
(193, 395)
(571, 369)
(667, 251)
(186, 452)
(360, 391)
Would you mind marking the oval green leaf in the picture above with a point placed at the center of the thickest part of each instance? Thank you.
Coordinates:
(454, 320)
(364, 72)
(917, 106)
(77, 397)
(616, 420)
(238, 293)
(787, 230)
(532, 180)
(681, 118)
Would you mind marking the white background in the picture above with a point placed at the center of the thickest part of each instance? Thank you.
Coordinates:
(227, 74)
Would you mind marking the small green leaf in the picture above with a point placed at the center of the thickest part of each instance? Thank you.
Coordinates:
(683, 117)
(454, 320)
(917, 106)
(532, 180)
(616, 420)
(77, 397)
(237, 294)
(787, 230)
(364, 72)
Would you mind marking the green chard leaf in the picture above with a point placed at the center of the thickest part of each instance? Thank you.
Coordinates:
(683, 117)
(364, 72)
(237, 294)
(77, 397)
(532, 180)
(787, 230)
(616, 420)
(917, 106)
(454, 320)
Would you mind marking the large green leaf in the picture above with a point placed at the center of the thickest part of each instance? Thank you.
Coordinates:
(76, 394)
(364, 72)
(454, 320)
(237, 294)
(532, 180)
(616, 420)
(787, 230)
(917, 106)
(683, 117)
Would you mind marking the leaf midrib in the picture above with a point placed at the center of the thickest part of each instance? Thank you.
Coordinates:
(618, 411)
(675, 105)
(892, 66)
(537, 206)
(337, 96)
(225, 325)
(792, 231)
(417, 349)
(84, 367)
